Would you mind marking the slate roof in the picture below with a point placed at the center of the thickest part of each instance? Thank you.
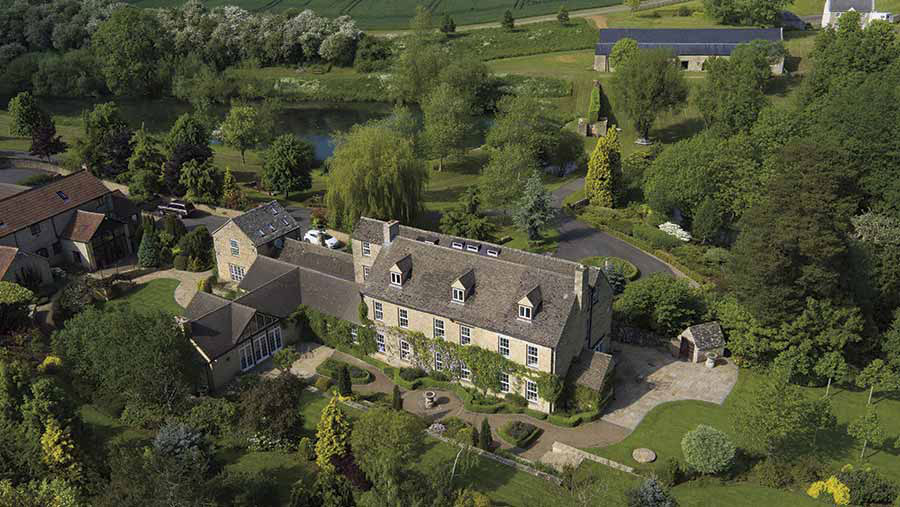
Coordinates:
(707, 336)
(318, 258)
(83, 226)
(369, 230)
(7, 256)
(289, 285)
(219, 330)
(203, 303)
(40, 203)
(686, 42)
(591, 369)
(492, 304)
(9, 189)
(265, 222)
(856, 5)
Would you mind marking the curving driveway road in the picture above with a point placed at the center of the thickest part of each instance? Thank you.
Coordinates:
(578, 240)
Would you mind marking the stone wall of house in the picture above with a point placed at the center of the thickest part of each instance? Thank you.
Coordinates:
(34, 263)
(360, 261)
(247, 252)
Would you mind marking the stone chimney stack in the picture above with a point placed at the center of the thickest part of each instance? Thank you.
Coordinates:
(391, 230)
(582, 287)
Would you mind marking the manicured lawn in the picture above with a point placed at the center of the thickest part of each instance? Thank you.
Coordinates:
(284, 467)
(154, 295)
(665, 425)
(738, 495)
(663, 17)
(106, 429)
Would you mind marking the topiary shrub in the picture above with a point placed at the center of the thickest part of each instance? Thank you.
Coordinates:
(411, 374)
(323, 384)
(519, 434)
(708, 450)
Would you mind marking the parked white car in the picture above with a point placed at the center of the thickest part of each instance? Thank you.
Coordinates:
(315, 236)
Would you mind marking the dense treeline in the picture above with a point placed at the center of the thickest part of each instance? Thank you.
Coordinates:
(75, 49)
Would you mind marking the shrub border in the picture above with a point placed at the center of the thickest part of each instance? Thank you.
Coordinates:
(523, 442)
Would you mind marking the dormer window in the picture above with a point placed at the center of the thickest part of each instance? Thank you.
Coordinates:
(473, 248)
(396, 279)
(457, 245)
(459, 295)
(524, 312)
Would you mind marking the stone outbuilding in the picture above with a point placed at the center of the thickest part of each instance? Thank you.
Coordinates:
(696, 342)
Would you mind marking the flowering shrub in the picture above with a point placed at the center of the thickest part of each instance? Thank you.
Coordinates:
(838, 491)
(50, 364)
(674, 229)
(264, 442)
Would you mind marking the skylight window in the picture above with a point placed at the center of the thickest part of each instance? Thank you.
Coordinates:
(261, 232)
(272, 227)
(493, 253)
(62, 195)
(274, 210)
(285, 221)
(473, 248)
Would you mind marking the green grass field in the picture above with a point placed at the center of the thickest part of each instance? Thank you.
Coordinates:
(665, 425)
(154, 295)
(395, 14)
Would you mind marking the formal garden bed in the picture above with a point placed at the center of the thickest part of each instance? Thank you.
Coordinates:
(331, 367)
(519, 434)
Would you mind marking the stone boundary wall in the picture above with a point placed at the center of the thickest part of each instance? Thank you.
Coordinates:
(561, 447)
(500, 459)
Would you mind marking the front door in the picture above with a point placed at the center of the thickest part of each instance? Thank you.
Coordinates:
(687, 350)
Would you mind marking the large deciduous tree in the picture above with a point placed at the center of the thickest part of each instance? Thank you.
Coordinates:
(745, 12)
(524, 121)
(417, 69)
(375, 173)
(202, 181)
(604, 170)
(505, 174)
(387, 460)
(44, 141)
(241, 129)
(448, 119)
(660, 302)
(24, 113)
(106, 145)
(188, 139)
(287, 165)
(792, 245)
(130, 50)
(649, 83)
(731, 96)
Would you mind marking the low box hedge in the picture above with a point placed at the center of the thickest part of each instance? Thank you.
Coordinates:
(330, 368)
(519, 434)
(537, 414)
(572, 420)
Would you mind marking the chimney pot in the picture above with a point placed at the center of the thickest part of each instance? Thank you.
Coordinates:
(391, 230)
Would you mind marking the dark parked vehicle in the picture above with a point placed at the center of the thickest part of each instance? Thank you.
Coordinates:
(180, 208)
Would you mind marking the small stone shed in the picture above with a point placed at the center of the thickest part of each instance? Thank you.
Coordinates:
(592, 378)
(695, 342)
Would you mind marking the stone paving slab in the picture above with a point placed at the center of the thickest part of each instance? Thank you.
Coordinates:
(647, 377)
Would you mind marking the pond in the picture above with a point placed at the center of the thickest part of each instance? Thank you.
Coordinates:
(317, 122)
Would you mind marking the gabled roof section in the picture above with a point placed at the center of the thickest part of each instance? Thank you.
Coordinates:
(220, 330)
(466, 281)
(203, 303)
(318, 258)
(83, 226)
(533, 298)
(693, 41)
(7, 256)
(278, 297)
(40, 203)
(591, 369)
(862, 6)
(707, 335)
(265, 223)
(403, 265)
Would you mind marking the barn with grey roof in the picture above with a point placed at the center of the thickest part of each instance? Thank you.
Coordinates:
(692, 47)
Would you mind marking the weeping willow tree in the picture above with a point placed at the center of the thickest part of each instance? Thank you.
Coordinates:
(375, 173)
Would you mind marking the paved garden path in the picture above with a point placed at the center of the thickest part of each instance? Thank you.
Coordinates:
(595, 434)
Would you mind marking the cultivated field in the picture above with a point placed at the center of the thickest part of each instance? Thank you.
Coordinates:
(393, 14)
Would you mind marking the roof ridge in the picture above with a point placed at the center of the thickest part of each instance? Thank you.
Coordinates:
(55, 180)
(227, 302)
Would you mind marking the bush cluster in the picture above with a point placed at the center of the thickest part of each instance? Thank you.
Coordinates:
(519, 434)
(411, 374)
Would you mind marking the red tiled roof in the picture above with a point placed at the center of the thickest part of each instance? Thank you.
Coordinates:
(40, 203)
(7, 256)
(83, 226)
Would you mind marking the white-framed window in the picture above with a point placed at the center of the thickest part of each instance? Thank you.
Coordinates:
(246, 355)
(402, 317)
(524, 312)
(365, 272)
(379, 342)
(396, 279)
(531, 355)
(465, 335)
(503, 346)
(504, 382)
(438, 360)
(464, 372)
(237, 272)
(275, 340)
(379, 311)
(459, 295)
(438, 328)
(235, 247)
(35, 229)
(531, 392)
(404, 350)
(366, 249)
(261, 347)
(354, 335)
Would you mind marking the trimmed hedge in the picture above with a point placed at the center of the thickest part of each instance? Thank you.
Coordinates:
(330, 367)
(570, 421)
(519, 434)
(629, 270)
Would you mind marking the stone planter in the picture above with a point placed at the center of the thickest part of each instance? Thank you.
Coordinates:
(429, 399)
(711, 360)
